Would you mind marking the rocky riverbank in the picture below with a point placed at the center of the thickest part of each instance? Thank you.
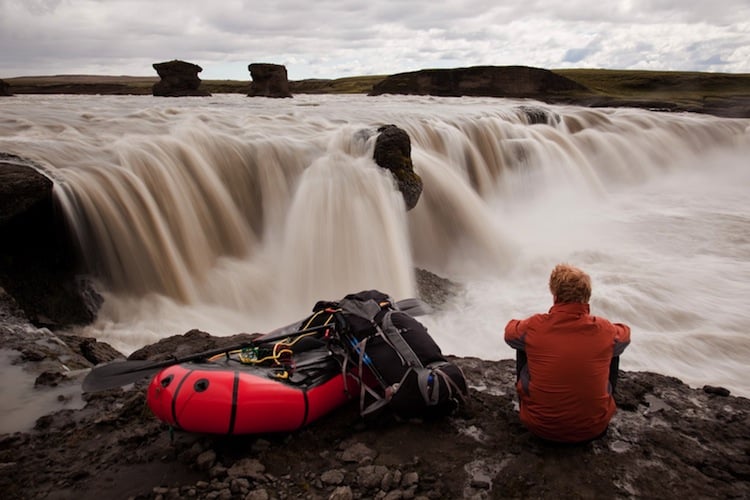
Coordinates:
(666, 439)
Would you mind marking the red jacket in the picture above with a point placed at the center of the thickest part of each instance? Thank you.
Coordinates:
(564, 390)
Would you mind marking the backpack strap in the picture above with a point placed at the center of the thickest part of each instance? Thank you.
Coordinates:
(396, 339)
(354, 352)
(379, 400)
(453, 388)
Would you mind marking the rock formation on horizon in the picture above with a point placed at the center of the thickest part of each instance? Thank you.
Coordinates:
(478, 81)
(5, 89)
(268, 80)
(178, 79)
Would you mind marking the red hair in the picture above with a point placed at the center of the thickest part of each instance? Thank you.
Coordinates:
(569, 284)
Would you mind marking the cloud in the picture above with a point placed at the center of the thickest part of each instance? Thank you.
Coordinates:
(335, 38)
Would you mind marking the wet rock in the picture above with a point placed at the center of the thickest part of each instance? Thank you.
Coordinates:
(239, 485)
(718, 391)
(410, 479)
(194, 341)
(358, 453)
(48, 379)
(206, 460)
(43, 359)
(342, 493)
(334, 476)
(216, 472)
(248, 467)
(259, 494)
(260, 445)
(393, 152)
(268, 80)
(178, 79)
(386, 484)
(434, 289)
(536, 115)
(23, 187)
(38, 263)
(371, 476)
(94, 351)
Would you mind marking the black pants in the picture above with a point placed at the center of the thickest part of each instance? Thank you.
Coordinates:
(614, 367)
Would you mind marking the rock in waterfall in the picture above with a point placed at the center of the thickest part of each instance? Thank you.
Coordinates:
(393, 152)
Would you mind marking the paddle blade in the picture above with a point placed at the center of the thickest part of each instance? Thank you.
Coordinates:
(118, 373)
(414, 307)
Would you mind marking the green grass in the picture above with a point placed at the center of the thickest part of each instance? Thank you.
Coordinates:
(226, 86)
(675, 85)
(348, 85)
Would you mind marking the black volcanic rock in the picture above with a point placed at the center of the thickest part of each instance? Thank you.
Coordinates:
(178, 79)
(484, 81)
(22, 188)
(5, 89)
(37, 259)
(268, 80)
(393, 152)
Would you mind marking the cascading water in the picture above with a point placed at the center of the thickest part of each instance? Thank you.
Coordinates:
(233, 214)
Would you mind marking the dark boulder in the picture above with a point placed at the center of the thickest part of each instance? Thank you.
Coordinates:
(5, 89)
(268, 80)
(178, 79)
(393, 152)
(22, 188)
(37, 258)
(436, 290)
(189, 343)
(480, 81)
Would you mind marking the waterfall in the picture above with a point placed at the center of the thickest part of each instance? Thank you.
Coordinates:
(346, 230)
(234, 214)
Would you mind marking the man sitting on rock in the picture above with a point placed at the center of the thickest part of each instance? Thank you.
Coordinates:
(567, 362)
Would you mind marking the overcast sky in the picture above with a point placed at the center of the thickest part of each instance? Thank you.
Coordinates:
(337, 38)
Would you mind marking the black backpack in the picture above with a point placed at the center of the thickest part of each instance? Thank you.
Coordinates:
(398, 364)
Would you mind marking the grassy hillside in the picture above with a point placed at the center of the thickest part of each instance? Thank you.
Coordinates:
(81, 84)
(660, 84)
(721, 94)
(349, 85)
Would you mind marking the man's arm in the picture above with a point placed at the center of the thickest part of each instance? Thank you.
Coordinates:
(622, 338)
(515, 333)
